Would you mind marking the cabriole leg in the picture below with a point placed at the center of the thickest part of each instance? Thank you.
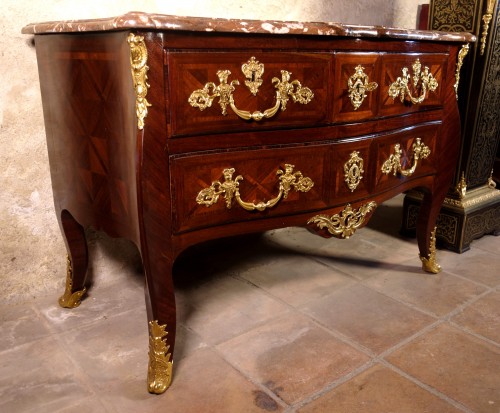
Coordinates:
(160, 303)
(426, 233)
(429, 263)
(76, 261)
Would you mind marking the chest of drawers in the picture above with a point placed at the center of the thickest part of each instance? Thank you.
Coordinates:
(171, 131)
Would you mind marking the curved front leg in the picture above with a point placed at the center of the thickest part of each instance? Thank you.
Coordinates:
(429, 262)
(77, 261)
(445, 156)
(160, 303)
(426, 232)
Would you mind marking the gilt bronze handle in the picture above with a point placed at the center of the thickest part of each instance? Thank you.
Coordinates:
(422, 79)
(229, 188)
(203, 98)
(393, 163)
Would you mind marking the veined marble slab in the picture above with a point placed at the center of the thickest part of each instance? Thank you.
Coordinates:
(139, 20)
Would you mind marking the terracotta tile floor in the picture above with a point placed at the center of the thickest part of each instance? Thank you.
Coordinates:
(278, 322)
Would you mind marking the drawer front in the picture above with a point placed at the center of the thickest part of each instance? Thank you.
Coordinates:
(220, 188)
(405, 155)
(356, 86)
(204, 85)
(258, 176)
(425, 78)
(370, 85)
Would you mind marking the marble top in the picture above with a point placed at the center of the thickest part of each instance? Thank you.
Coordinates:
(148, 21)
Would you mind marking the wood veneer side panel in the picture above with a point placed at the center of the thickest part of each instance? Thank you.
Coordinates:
(89, 113)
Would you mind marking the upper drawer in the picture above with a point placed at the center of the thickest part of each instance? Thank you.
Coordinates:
(217, 92)
(369, 85)
(412, 82)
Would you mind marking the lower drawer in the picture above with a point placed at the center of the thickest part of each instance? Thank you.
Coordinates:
(405, 155)
(216, 188)
(219, 188)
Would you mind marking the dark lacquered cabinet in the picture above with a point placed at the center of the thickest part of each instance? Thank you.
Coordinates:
(472, 206)
(172, 131)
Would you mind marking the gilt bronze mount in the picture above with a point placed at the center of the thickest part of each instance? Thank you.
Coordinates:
(422, 80)
(70, 299)
(288, 179)
(203, 98)
(344, 224)
(160, 359)
(358, 84)
(393, 163)
(138, 61)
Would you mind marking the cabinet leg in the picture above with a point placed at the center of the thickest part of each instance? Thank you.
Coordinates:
(77, 261)
(160, 303)
(429, 263)
(426, 234)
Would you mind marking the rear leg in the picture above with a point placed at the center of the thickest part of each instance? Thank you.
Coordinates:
(77, 261)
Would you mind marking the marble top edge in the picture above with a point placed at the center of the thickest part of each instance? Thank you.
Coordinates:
(139, 20)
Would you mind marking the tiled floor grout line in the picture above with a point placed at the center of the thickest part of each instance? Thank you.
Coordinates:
(249, 378)
(77, 372)
(463, 306)
(345, 339)
(474, 334)
(322, 259)
(426, 387)
(80, 374)
(380, 358)
(293, 309)
(339, 336)
(448, 315)
(479, 283)
(334, 333)
(334, 384)
(374, 359)
(405, 303)
(441, 320)
(409, 339)
(486, 250)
